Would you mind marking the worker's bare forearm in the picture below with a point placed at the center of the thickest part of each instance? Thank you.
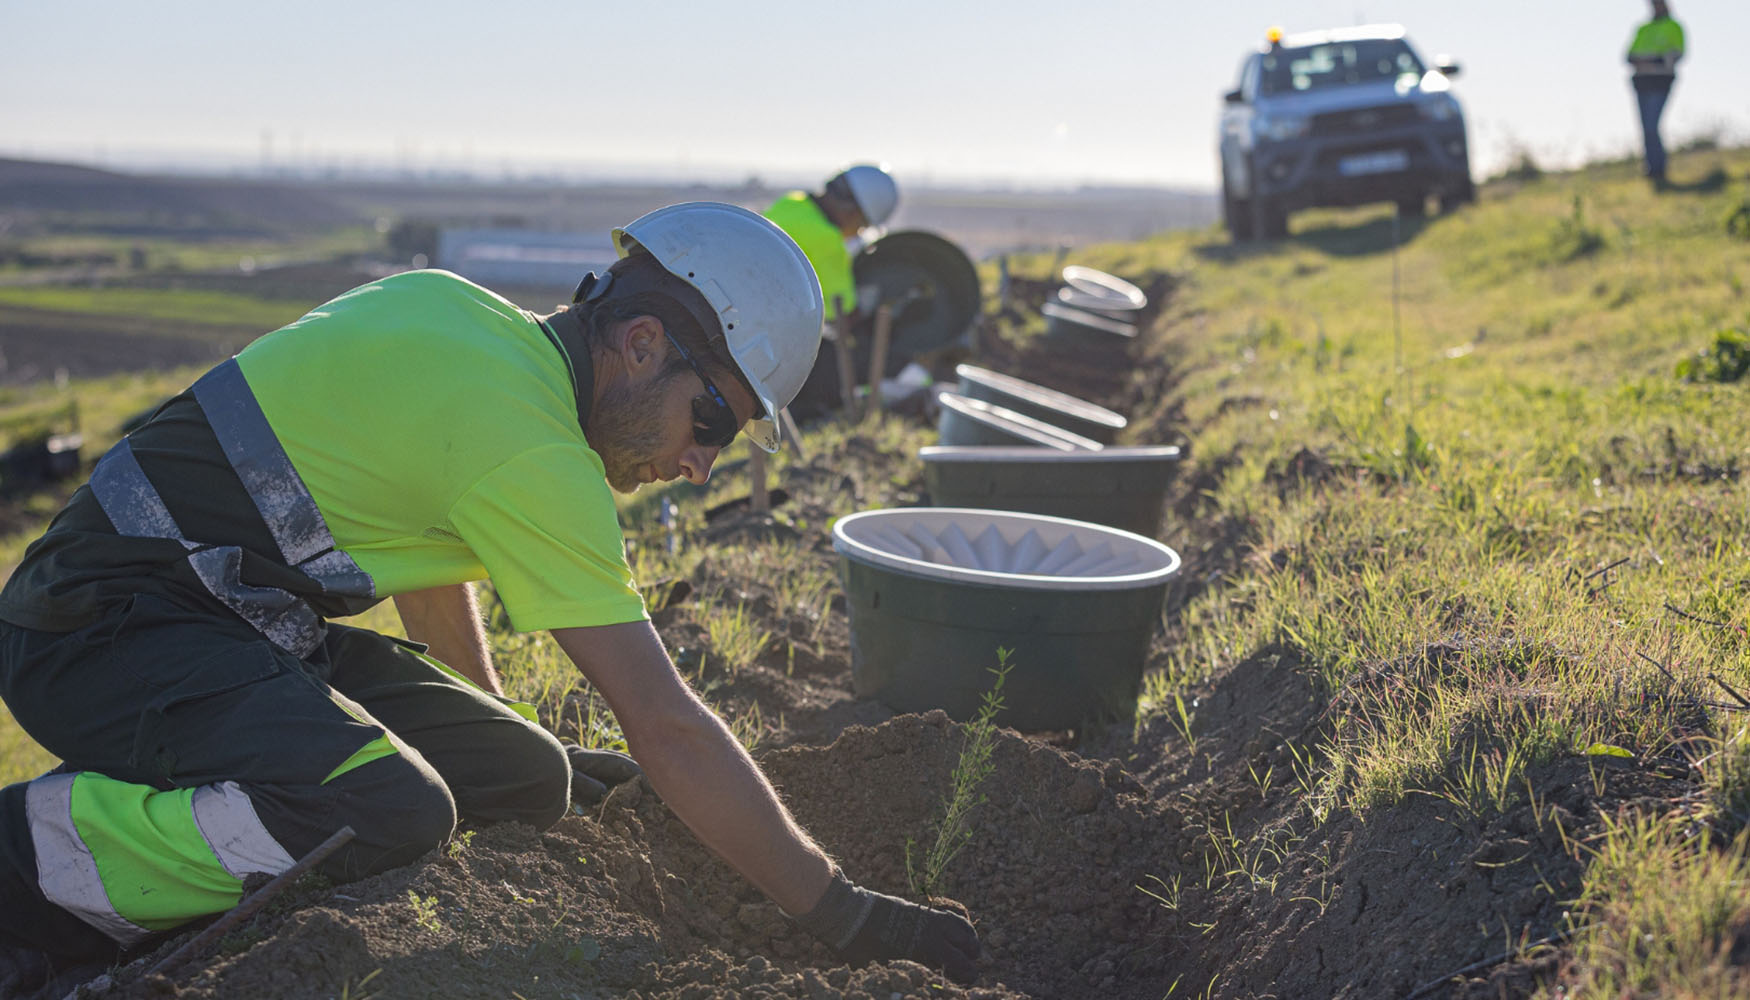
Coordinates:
(447, 619)
(711, 783)
(696, 765)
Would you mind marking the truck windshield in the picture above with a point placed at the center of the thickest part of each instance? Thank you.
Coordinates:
(1337, 64)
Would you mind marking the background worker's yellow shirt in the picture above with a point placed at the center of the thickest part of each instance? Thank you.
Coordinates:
(824, 246)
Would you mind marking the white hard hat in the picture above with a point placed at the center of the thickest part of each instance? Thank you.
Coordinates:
(759, 284)
(874, 191)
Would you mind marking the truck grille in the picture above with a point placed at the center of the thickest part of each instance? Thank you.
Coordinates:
(1360, 121)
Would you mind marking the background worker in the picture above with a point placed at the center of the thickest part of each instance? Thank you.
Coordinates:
(856, 199)
(167, 637)
(1653, 54)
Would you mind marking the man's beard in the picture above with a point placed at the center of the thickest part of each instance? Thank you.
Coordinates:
(626, 431)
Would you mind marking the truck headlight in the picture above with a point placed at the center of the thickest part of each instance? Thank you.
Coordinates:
(1279, 127)
(1438, 107)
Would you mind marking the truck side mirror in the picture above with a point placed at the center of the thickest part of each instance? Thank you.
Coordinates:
(1447, 65)
(1234, 97)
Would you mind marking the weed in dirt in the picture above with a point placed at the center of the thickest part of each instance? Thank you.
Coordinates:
(1165, 893)
(748, 726)
(1487, 782)
(357, 990)
(734, 632)
(974, 765)
(1181, 720)
(1254, 861)
(594, 724)
(425, 911)
(459, 844)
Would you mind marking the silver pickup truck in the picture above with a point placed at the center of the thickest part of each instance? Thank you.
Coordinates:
(1341, 117)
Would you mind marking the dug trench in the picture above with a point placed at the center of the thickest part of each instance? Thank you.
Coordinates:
(1130, 862)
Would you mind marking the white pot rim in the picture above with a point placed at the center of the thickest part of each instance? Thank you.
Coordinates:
(1025, 551)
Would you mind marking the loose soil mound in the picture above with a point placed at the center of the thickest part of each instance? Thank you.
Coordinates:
(627, 902)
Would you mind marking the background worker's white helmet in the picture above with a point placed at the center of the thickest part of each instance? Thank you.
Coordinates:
(874, 191)
(758, 283)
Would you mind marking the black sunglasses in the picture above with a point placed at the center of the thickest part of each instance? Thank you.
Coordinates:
(714, 424)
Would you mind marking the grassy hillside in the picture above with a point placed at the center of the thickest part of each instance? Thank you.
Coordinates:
(1466, 482)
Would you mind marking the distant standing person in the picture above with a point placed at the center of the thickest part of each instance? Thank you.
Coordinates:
(853, 200)
(1657, 46)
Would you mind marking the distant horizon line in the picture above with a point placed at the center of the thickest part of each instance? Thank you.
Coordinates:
(198, 164)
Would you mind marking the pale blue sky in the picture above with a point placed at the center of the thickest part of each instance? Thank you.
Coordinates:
(1023, 91)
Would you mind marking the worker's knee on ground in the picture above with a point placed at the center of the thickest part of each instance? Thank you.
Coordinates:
(398, 809)
(537, 782)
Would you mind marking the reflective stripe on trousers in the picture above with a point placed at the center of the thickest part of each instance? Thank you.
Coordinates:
(135, 508)
(75, 819)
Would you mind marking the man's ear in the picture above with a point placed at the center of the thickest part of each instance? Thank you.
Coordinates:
(641, 344)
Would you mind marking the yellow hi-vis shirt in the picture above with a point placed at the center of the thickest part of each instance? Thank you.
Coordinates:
(823, 244)
(434, 424)
(1661, 38)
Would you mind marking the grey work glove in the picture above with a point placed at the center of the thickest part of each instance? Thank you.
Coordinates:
(593, 772)
(861, 925)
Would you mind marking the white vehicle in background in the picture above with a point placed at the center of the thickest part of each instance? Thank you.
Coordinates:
(1340, 117)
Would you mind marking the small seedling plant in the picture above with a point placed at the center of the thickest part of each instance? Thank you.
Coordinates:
(964, 795)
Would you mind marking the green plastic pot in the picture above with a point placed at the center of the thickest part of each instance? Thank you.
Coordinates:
(933, 593)
(1066, 323)
(1078, 416)
(974, 422)
(1121, 487)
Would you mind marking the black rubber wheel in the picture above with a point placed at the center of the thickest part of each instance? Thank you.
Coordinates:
(1413, 208)
(1236, 213)
(1269, 220)
(930, 283)
(1463, 196)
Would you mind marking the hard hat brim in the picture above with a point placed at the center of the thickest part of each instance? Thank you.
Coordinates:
(764, 432)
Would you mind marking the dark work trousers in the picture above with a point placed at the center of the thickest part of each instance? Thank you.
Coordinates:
(162, 696)
(1651, 93)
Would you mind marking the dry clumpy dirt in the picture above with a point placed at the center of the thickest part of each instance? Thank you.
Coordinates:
(1111, 863)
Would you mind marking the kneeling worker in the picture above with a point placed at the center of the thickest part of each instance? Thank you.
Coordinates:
(854, 200)
(167, 638)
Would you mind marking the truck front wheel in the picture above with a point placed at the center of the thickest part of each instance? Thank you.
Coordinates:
(1465, 195)
(1236, 213)
(1269, 218)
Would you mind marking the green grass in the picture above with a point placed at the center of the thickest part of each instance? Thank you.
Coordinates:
(167, 304)
(170, 254)
(1661, 915)
(101, 406)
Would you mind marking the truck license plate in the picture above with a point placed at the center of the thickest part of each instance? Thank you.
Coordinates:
(1383, 162)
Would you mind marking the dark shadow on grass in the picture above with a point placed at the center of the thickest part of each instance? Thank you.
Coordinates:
(1372, 236)
(1713, 181)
